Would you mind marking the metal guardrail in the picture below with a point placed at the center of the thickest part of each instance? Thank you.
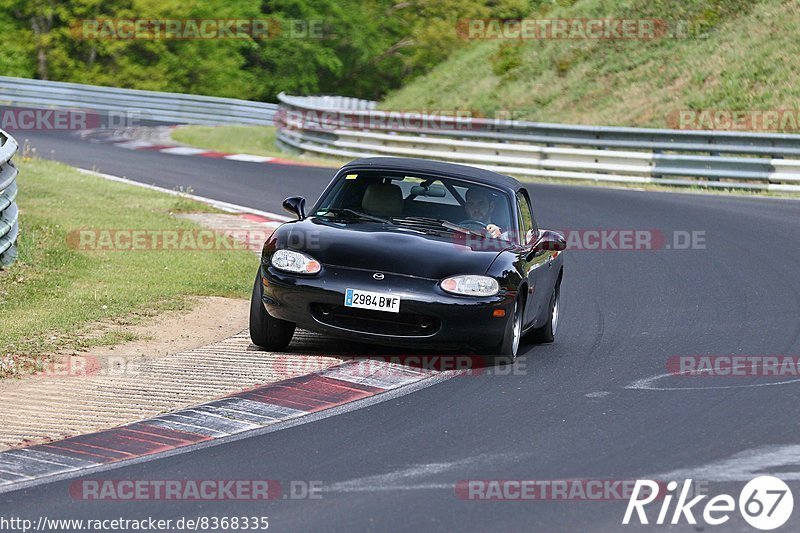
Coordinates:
(143, 105)
(719, 159)
(323, 103)
(351, 127)
(9, 214)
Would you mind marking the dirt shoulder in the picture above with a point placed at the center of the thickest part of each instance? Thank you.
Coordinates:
(209, 319)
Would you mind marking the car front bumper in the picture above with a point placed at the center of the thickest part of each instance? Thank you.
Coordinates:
(429, 318)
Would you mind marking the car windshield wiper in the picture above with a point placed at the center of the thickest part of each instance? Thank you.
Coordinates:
(439, 222)
(359, 214)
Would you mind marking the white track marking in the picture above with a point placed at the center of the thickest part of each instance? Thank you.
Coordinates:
(133, 145)
(45, 457)
(745, 466)
(647, 383)
(171, 423)
(249, 158)
(218, 421)
(375, 373)
(403, 479)
(182, 150)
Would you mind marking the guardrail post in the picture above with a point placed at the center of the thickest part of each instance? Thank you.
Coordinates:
(714, 154)
(653, 172)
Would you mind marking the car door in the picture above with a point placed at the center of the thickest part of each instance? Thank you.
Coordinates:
(535, 266)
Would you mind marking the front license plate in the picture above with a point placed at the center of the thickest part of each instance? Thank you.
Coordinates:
(377, 301)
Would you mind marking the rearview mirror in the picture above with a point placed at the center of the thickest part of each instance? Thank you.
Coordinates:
(548, 241)
(434, 191)
(296, 205)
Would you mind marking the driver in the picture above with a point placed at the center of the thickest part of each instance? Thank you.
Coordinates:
(479, 207)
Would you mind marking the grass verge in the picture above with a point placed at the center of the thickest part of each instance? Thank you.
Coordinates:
(733, 55)
(56, 294)
(254, 140)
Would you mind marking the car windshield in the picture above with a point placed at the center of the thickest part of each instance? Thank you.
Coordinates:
(423, 202)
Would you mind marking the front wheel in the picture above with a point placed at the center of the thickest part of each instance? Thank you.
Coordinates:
(267, 331)
(547, 333)
(506, 352)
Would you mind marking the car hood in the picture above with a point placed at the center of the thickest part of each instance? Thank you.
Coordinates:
(388, 248)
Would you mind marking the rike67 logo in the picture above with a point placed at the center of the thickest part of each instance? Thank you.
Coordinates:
(765, 503)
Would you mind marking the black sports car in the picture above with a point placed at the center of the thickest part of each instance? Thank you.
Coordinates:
(415, 253)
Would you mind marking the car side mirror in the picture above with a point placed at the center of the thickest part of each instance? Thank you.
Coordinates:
(296, 205)
(548, 241)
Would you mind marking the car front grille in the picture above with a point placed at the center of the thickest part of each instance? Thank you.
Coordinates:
(377, 322)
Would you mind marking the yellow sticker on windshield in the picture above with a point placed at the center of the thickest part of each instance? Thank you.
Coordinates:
(351, 176)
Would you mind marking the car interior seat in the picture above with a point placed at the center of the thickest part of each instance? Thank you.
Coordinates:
(383, 199)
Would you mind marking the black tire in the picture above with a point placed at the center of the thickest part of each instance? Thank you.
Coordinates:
(506, 352)
(267, 331)
(547, 333)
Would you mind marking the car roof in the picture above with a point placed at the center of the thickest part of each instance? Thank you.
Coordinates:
(477, 175)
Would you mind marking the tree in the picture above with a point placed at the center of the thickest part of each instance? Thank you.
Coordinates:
(352, 47)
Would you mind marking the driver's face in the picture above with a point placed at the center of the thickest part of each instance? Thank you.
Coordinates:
(479, 207)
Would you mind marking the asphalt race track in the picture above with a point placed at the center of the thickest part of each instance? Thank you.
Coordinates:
(581, 408)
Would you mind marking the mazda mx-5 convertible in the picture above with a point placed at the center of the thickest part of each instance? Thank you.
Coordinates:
(412, 253)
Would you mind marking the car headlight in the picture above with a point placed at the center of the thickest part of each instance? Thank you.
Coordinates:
(295, 262)
(471, 285)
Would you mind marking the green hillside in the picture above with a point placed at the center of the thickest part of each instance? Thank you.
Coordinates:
(729, 54)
